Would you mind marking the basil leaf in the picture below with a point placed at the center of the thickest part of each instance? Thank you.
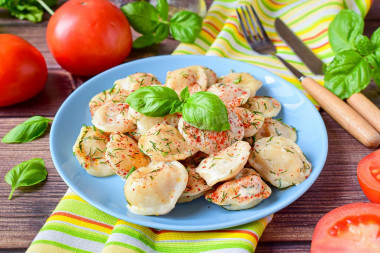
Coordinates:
(185, 26)
(143, 41)
(142, 16)
(347, 74)
(377, 55)
(375, 38)
(346, 26)
(185, 94)
(163, 9)
(26, 9)
(154, 101)
(376, 76)
(26, 173)
(161, 33)
(363, 45)
(205, 110)
(27, 131)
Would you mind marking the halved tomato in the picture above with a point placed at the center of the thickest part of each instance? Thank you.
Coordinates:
(369, 176)
(349, 228)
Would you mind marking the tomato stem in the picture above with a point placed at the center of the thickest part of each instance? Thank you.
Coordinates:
(46, 7)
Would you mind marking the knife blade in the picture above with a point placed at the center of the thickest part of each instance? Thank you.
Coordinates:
(298, 46)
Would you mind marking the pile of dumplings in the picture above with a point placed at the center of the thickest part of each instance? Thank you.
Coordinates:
(169, 161)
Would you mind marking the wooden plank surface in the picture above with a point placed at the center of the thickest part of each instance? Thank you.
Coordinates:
(291, 229)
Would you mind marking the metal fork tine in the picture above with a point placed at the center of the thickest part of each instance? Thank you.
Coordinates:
(253, 24)
(258, 41)
(243, 26)
(265, 35)
(248, 24)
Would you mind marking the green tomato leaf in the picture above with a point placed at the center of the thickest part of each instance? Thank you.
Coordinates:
(163, 9)
(375, 38)
(142, 16)
(154, 101)
(143, 41)
(205, 110)
(26, 173)
(185, 26)
(346, 26)
(363, 45)
(27, 131)
(347, 74)
(185, 94)
(161, 33)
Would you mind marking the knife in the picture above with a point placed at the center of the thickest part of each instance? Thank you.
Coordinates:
(350, 120)
(299, 48)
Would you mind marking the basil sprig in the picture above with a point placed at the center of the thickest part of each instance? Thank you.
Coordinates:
(357, 57)
(26, 173)
(27, 131)
(154, 101)
(203, 110)
(154, 24)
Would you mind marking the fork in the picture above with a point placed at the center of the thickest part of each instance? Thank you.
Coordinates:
(341, 112)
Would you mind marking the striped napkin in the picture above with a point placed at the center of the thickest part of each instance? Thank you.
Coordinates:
(76, 226)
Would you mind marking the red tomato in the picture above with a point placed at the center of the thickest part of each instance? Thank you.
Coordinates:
(23, 71)
(87, 37)
(349, 228)
(369, 176)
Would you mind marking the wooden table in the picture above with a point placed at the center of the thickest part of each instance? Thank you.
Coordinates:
(291, 229)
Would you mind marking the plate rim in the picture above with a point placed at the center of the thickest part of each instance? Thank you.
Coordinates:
(153, 224)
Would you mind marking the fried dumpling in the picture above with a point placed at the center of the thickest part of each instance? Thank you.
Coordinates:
(225, 164)
(89, 149)
(155, 189)
(122, 153)
(245, 191)
(279, 161)
(165, 143)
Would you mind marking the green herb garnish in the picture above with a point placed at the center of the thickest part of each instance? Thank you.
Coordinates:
(130, 171)
(31, 10)
(357, 57)
(203, 110)
(154, 24)
(27, 131)
(26, 173)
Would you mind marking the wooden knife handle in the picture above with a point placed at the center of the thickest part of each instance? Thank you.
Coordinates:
(342, 113)
(366, 109)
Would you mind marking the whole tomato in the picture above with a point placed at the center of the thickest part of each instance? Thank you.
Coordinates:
(87, 37)
(23, 70)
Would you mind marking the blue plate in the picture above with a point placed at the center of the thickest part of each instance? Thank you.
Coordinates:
(107, 193)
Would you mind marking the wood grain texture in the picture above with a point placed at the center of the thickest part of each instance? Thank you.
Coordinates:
(58, 87)
(345, 115)
(367, 109)
(291, 229)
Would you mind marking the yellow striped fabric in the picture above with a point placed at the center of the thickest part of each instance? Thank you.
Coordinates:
(309, 19)
(76, 226)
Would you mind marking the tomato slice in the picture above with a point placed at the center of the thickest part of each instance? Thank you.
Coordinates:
(369, 176)
(349, 228)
